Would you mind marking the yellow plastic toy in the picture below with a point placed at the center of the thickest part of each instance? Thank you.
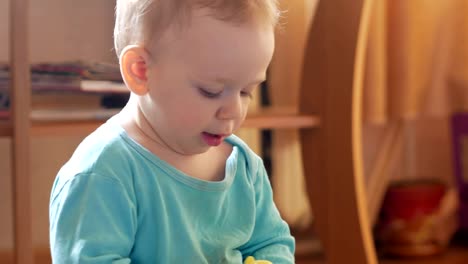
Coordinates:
(251, 260)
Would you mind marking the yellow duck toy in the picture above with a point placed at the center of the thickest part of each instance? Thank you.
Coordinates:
(251, 260)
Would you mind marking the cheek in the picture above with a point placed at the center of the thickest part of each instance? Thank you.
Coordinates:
(188, 112)
(245, 108)
(181, 106)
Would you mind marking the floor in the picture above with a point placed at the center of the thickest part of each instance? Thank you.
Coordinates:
(457, 253)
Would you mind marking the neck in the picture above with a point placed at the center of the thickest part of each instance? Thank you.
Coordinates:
(137, 126)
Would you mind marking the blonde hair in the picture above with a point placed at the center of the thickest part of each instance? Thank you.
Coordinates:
(139, 21)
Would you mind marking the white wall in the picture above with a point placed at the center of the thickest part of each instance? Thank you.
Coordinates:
(64, 30)
(60, 30)
(4, 24)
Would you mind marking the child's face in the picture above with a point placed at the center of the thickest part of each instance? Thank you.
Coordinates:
(200, 83)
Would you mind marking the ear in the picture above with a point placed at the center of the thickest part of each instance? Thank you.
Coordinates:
(134, 61)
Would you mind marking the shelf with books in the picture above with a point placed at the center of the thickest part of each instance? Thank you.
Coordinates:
(63, 123)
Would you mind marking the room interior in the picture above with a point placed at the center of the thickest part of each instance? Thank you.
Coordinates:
(372, 90)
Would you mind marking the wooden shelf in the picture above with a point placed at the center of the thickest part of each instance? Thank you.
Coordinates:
(269, 118)
(6, 129)
(64, 128)
(280, 118)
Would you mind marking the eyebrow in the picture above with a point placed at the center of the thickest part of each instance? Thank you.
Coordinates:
(225, 80)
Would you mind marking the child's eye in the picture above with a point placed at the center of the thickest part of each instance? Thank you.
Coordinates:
(207, 93)
(246, 94)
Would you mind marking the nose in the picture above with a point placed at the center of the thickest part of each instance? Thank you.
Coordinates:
(232, 108)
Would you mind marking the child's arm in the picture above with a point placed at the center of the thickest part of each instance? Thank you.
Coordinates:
(92, 220)
(271, 239)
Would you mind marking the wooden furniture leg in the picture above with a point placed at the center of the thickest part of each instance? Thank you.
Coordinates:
(332, 89)
(20, 146)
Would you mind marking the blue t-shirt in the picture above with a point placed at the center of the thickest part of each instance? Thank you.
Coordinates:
(115, 202)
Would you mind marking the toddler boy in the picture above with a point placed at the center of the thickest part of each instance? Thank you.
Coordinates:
(165, 180)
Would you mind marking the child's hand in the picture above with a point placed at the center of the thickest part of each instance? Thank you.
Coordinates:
(251, 260)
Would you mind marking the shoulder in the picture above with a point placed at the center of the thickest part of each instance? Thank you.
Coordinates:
(104, 153)
(105, 147)
(253, 161)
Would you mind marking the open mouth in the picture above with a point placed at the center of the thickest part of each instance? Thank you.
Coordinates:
(212, 139)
